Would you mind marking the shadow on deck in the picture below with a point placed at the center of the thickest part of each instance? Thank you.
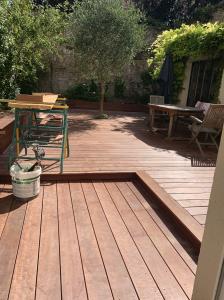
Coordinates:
(124, 143)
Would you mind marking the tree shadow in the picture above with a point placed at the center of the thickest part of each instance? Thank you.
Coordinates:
(139, 127)
(80, 125)
(9, 202)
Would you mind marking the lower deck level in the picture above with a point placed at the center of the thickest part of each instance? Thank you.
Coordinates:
(93, 240)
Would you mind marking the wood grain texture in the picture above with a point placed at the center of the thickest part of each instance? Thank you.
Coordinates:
(95, 274)
(5, 204)
(123, 143)
(164, 278)
(72, 277)
(162, 244)
(48, 276)
(172, 206)
(9, 245)
(142, 279)
(118, 276)
(171, 237)
(91, 240)
(24, 278)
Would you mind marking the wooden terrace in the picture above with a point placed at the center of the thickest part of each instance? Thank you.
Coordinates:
(107, 239)
(124, 144)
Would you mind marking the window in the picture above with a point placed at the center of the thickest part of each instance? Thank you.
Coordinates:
(204, 77)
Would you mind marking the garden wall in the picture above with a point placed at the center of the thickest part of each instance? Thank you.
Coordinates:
(218, 16)
(81, 104)
(62, 72)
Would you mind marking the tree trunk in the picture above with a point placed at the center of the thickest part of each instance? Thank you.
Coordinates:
(102, 94)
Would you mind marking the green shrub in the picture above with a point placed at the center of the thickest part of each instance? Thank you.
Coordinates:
(187, 41)
(119, 88)
(83, 91)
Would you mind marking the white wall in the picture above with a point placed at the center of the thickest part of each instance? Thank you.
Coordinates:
(212, 249)
(187, 76)
(221, 91)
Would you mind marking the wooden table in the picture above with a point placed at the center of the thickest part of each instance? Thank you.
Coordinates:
(173, 111)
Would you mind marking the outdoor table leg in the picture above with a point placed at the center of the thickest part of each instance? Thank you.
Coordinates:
(152, 118)
(170, 126)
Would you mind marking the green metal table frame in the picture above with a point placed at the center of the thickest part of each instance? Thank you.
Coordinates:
(33, 124)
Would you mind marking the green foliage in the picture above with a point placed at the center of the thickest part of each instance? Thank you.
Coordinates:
(83, 91)
(28, 35)
(204, 14)
(105, 36)
(172, 13)
(119, 88)
(187, 41)
(101, 117)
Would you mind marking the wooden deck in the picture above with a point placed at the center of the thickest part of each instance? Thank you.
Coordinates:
(89, 240)
(123, 143)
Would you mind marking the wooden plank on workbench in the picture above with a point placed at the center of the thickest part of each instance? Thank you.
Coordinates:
(27, 105)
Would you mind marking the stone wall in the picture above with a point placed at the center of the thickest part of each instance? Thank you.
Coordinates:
(221, 91)
(218, 16)
(62, 72)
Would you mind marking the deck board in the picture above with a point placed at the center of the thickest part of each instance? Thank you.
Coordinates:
(172, 239)
(72, 276)
(48, 276)
(142, 279)
(5, 204)
(24, 278)
(91, 240)
(119, 278)
(162, 244)
(156, 263)
(97, 283)
(123, 143)
(9, 245)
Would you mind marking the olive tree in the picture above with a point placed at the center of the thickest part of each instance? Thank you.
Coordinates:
(106, 35)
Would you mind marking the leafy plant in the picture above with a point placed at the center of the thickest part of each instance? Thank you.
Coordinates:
(187, 41)
(105, 35)
(83, 91)
(28, 35)
(119, 88)
(172, 13)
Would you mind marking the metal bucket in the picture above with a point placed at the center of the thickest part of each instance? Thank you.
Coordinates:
(25, 184)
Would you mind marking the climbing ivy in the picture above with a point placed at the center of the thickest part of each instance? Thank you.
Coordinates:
(195, 41)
